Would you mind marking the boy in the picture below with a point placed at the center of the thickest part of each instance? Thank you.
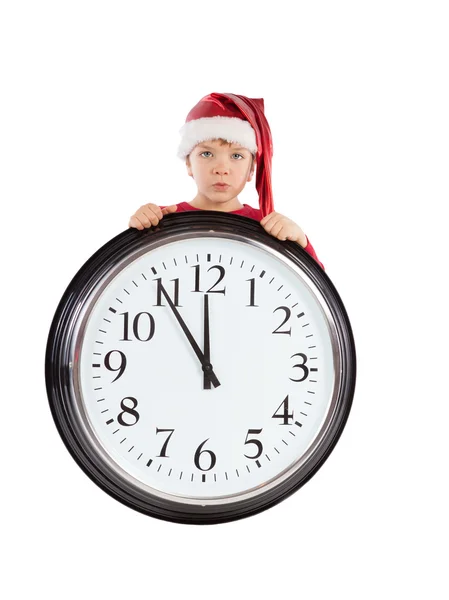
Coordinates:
(224, 126)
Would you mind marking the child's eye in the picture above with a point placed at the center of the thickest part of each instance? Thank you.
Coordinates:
(207, 152)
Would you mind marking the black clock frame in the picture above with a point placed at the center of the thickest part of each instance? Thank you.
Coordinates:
(58, 372)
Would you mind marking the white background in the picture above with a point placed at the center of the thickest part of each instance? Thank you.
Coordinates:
(92, 97)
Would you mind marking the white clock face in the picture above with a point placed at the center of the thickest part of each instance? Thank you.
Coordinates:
(145, 398)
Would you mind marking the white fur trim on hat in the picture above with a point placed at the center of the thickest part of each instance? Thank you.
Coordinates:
(231, 129)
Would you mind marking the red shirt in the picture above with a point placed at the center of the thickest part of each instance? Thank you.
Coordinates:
(252, 213)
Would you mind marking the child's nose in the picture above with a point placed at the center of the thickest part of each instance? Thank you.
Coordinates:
(221, 169)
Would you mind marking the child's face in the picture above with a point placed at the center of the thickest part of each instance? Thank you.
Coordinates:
(210, 163)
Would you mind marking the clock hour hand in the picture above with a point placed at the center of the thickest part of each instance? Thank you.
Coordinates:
(207, 367)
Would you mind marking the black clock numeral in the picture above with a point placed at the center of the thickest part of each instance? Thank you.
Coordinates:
(287, 317)
(285, 416)
(197, 278)
(164, 447)
(159, 292)
(199, 452)
(258, 443)
(128, 410)
(136, 321)
(302, 366)
(211, 290)
(252, 290)
(121, 367)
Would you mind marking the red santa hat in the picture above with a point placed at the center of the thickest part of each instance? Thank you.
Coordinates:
(236, 119)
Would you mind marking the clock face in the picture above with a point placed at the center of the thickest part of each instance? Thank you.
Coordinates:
(170, 427)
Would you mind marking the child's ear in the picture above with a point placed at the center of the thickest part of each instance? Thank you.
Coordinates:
(252, 169)
(189, 167)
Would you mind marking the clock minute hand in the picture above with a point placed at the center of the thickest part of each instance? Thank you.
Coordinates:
(206, 380)
(207, 367)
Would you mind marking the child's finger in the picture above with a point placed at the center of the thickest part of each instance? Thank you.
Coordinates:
(134, 222)
(268, 217)
(270, 223)
(169, 209)
(277, 232)
(148, 218)
(152, 212)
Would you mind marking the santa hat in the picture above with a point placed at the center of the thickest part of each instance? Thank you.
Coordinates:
(239, 120)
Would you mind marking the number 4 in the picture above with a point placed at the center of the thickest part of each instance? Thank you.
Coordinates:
(285, 416)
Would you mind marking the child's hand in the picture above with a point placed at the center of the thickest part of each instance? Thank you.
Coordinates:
(150, 214)
(283, 228)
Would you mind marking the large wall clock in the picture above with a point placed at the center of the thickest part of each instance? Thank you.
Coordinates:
(200, 371)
